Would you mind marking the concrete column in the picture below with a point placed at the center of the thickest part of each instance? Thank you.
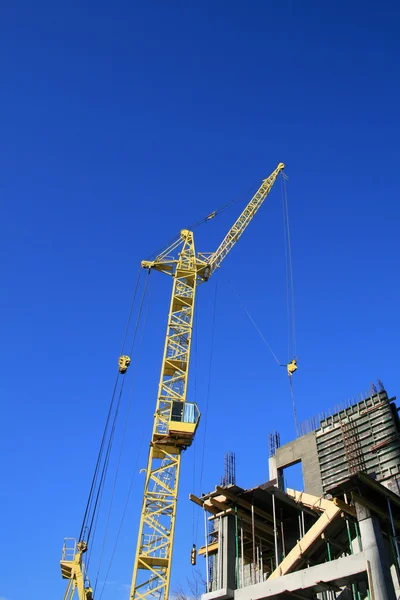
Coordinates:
(375, 553)
(275, 473)
(228, 547)
(272, 468)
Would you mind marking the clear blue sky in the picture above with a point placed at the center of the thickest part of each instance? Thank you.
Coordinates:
(123, 122)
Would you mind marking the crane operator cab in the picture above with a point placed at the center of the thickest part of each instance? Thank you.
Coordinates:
(183, 422)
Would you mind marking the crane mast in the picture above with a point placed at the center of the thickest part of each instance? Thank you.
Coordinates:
(176, 419)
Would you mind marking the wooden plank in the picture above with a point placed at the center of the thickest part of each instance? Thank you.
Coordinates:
(196, 500)
(212, 549)
(242, 515)
(203, 504)
(245, 504)
(313, 535)
(350, 510)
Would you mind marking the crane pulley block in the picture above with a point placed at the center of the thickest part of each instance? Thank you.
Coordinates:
(292, 367)
(193, 555)
(89, 593)
(123, 363)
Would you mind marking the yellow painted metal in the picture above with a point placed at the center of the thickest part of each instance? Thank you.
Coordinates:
(193, 555)
(291, 367)
(242, 222)
(152, 566)
(123, 363)
(73, 569)
(330, 512)
(183, 429)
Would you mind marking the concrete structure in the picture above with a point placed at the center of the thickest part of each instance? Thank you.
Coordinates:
(364, 437)
(271, 544)
(303, 450)
(337, 539)
(375, 553)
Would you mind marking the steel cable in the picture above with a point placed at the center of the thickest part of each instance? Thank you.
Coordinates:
(260, 333)
(125, 424)
(95, 498)
(196, 224)
(89, 504)
(208, 395)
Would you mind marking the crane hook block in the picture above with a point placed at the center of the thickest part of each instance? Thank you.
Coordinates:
(193, 555)
(123, 363)
(292, 367)
(82, 546)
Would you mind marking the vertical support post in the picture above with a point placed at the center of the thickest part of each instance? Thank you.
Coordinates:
(394, 531)
(227, 553)
(254, 540)
(242, 551)
(283, 535)
(258, 565)
(358, 536)
(236, 549)
(349, 535)
(328, 547)
(379, 576)
(220, 551)
(206, 543)
(275, 532)
(348, 529)
(300, 531)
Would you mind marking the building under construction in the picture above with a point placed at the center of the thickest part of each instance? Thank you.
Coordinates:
(334, 539)
(337, 538)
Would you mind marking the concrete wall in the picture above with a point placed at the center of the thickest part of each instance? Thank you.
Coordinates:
(302, 449)
(362, 437)
(365, 425)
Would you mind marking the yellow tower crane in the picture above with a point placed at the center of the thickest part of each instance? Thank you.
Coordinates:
(175, 419)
